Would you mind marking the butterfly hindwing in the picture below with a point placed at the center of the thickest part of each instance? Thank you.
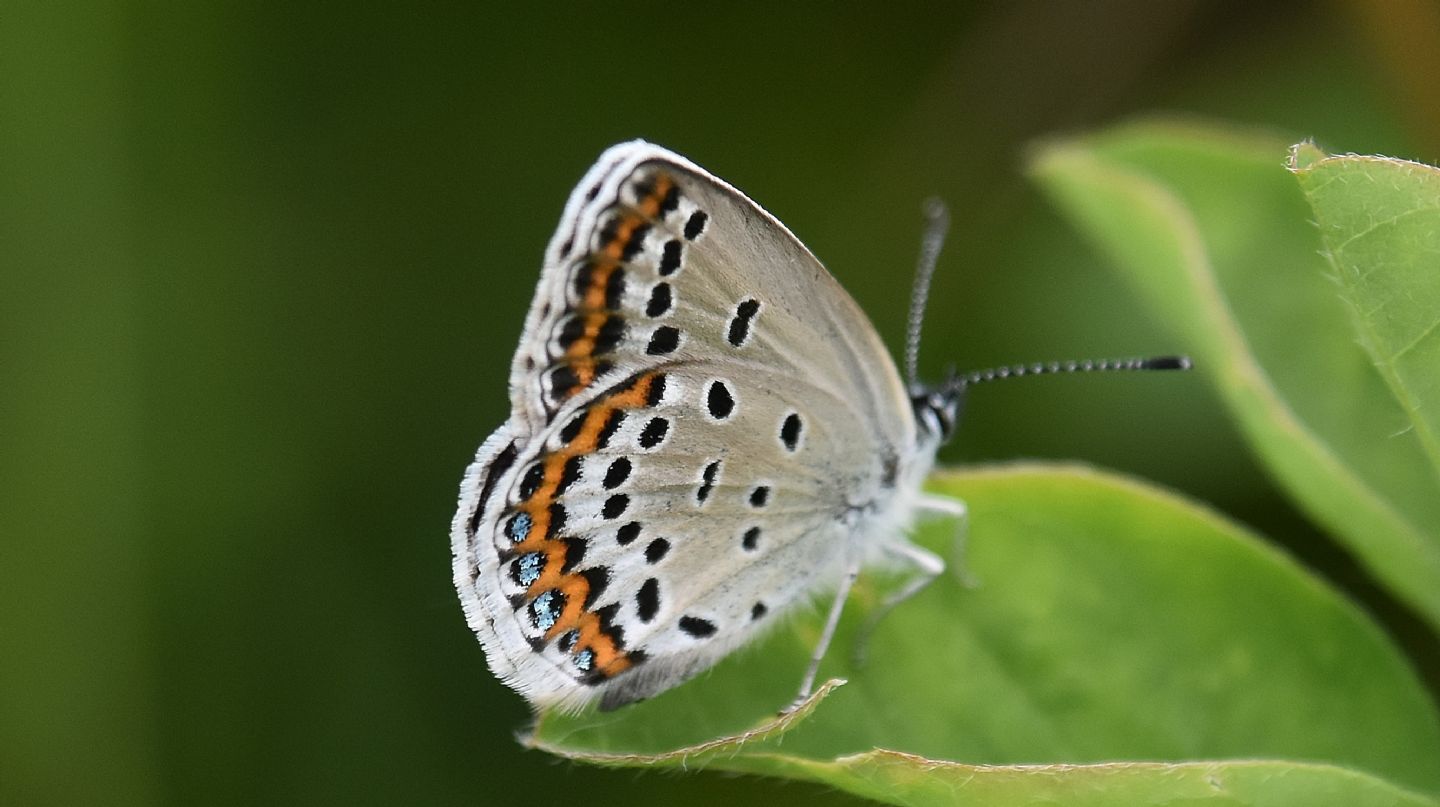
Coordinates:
(703, 424)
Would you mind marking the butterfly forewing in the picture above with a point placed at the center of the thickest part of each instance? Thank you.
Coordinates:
(701, 418)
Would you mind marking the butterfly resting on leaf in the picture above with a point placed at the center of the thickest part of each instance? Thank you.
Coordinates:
(706, 432)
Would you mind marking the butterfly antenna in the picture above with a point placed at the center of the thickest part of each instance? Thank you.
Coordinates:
(937, 224)
(1059, 367)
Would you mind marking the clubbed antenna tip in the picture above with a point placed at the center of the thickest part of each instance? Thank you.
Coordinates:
(1168, 363)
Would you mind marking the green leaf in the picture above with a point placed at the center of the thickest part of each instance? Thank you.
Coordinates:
(1380, 221)
(1111, 621)
(1217, 236)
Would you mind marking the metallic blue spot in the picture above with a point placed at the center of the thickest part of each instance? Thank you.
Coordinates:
(519, 527)
(530, 565)
(546, 610)
(584, 660)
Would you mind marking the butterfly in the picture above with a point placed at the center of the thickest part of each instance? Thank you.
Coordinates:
(706, 433)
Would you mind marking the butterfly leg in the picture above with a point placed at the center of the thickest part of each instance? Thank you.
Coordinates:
(927, 565)
(831, 621)
(954, 510)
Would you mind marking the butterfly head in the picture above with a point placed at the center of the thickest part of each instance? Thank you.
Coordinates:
(937, 410)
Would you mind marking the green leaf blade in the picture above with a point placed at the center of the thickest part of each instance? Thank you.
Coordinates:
(883, 776)
(1112, 621)
(1213, 231)
(1380, 221)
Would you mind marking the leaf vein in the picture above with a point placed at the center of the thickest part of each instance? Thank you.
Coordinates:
(1425, 334)
(1375, 225)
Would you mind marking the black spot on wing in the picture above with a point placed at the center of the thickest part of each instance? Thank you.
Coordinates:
(530, 482)
(569, 475)
(562, 380)
(635, 242)
(661, 299)
(615, 289)
(670, 257)
(598, 577)
(790, 431)
(695, 225)
(572, 330)
(575, 547)
(628, 533)
(557, 518)
(719, 401)
(739, 330)
(617, 473)
(654, 432)
(671, 201)
(707, 482)
(615, 506)
(663, 341)
(584, 274)
(546, 608)
(656, 393)
(612, 425)
(610, 334)
(572, 428)
(647, 599)
(697, 627)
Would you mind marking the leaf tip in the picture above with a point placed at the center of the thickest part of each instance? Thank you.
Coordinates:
(1304, 156)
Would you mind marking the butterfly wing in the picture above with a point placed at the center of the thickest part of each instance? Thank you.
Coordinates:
(705, 428)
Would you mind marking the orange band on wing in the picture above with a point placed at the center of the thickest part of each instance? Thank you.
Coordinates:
(609, 659)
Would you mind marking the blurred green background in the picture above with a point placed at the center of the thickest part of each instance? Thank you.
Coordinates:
(262, 267)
